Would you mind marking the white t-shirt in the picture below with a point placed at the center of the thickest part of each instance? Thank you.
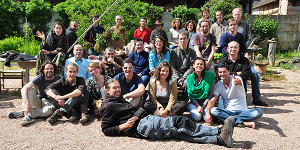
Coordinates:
(234, 98)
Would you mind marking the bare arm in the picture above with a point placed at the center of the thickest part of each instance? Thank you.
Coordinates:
(24, 93)
(210, 105)
(136, 93)
(211, 55)
(130, 122)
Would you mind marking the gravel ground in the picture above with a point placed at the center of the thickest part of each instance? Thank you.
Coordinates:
(276, 129)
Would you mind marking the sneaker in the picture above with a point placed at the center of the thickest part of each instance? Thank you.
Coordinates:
(225, 136)
(18, 114)
(84, 118)
(27, 120)
(260, 103)
(54, 117)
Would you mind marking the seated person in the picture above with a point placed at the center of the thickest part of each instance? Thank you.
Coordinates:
(43, 106)
(120, 118)
(163, 93)
(199, 85)
(65, 93)
(54, 48)
(158, 31)
(81, 62)
(159, 54)
(232, 91)
(131, 84)
(141, 59)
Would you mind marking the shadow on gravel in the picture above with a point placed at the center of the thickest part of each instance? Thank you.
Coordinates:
(4, 105)
(243, 144)
(270, 124)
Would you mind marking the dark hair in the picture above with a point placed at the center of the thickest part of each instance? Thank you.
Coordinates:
(203, 72)
(108, 82)
(187, 23)
(128, 60)
(223, 65)
(60, 24)
(143, 18)
(164, 48)
(71, 64)
(205, 20)
(158, 69)
(95, 16)
(138, 40)
(183, 33)
(173, 23)
(41, 70)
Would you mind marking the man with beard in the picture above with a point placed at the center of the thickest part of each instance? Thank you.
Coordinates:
(37, 105)
(143, 32)
(204, 44)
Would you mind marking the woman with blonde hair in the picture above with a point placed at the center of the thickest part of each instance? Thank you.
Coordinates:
(173, 33)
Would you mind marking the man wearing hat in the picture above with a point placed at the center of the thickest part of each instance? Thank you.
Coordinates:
(158, 31)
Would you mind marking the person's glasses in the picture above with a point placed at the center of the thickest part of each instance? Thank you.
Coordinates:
(130, 67)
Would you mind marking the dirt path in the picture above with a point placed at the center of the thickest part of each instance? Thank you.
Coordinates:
(278, 128)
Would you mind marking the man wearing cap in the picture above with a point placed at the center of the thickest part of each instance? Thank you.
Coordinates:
(158, 31)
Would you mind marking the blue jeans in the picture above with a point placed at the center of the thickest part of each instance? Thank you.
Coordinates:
(240, 116)
(146, 79)
(195, 115)
(183, 128)
(255, 84)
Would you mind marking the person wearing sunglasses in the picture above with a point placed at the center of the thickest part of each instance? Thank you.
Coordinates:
(131, 84)
(158, 31)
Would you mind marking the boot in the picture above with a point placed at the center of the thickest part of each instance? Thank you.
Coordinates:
(84, 116)
(54, 117)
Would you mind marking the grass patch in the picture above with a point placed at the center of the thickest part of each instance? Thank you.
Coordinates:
(15, 66)
(273, 76)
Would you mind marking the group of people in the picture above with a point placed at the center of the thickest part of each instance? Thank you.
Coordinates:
(146, 94)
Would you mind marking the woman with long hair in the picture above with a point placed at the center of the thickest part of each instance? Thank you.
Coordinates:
(190, 27)
(173, 33)
(53, 48)
(163, 93)
(159, 54)
(199, 88)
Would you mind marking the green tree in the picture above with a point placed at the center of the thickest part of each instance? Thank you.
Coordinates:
(185, 13)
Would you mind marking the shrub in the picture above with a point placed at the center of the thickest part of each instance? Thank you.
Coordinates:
(264, 27)
(130, 10)
(20, 45)
(185, 13)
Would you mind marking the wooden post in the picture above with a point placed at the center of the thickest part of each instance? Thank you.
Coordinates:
(271, 52)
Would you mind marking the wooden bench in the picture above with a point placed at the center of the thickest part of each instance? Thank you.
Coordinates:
(11, 74)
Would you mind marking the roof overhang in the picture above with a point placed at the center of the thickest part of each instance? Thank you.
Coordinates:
(262, 2)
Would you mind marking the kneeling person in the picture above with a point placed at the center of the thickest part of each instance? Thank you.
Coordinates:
(65, 93)
(234, 98)
(121, 118)
(43, 107)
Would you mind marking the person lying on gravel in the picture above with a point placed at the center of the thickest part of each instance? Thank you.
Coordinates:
(232, 91)
(35, 101)
(120, 118)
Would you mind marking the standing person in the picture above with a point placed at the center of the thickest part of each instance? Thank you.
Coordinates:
(121, 118)
(190, 27)
(205, 15)
(159, 54)
(141, 58)
(173, 33)
(232, 91)
(131, 84)
(81, 62)
(218, 28)
(37, 98)
(204, 44)
(54, 48)
(65, 93)
(163, 93)
(199, 87)
(118, 45)
(91, 35)
(158, 31)
(143, 32)
(182, 59)
(243, 27)
(71, 34)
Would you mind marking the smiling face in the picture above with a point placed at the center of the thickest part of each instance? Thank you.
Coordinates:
(232, 26)
(223, 73)
(205, 14)
(49, 71)
(118, 20)
(78, 52)
(199, 65)
(205, 27)
(233, 48)
(74, 26)
(109, 54)
(237, 14)
(164, 72)
(139, 46)
(71, 72)
(94, 71)
(177, 23)
(128, 70)
(219, 16)
(190, 27)
(143, 22)
(158, 44)
(114, 89)
(58, 29)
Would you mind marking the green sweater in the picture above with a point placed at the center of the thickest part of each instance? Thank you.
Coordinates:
(201, 91)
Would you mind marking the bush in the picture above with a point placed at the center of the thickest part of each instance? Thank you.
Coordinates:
(20, 45)
(130, 10)
(264, 27)
(10, 13)
(185, 13)
(226, 6)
